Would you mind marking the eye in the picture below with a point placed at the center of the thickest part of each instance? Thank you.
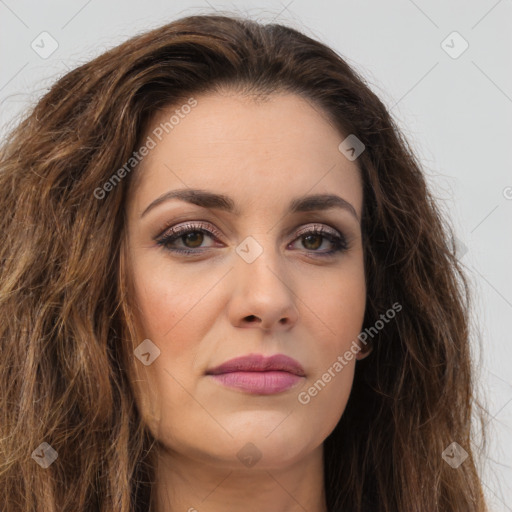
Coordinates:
(314, 237)
(190, 235)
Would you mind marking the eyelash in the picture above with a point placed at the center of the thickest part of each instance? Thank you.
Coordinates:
(339, 242)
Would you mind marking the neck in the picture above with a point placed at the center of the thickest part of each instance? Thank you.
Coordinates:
(187, 485)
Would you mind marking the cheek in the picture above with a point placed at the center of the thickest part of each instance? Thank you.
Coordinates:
(169, 299)
(171, 313)
(339, 307)
(338, 299)
(168, 309)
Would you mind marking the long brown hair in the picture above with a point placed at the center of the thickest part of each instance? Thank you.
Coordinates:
(65, 322)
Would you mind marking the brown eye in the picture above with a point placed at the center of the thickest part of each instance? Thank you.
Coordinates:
(312, 242)
(187, 239)
(312, 239)
(193, 239)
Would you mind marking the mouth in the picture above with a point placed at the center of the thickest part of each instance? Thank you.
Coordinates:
(257, 374)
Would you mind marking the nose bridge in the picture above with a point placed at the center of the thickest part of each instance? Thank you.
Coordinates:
(263, 288)
(258, 262)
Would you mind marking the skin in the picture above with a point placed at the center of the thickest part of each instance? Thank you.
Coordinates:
(203, 310)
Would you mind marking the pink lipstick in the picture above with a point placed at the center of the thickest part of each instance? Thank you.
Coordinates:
(257, 374)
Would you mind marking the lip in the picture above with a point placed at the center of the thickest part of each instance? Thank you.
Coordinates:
(258, 374)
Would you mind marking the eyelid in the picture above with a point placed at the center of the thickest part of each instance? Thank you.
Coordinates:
(171, 229)
(318, 227)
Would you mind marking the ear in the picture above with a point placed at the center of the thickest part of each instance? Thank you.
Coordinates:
(365, 351)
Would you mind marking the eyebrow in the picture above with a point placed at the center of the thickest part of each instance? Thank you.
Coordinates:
(205, 199)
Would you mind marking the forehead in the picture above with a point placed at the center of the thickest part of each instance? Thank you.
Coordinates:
(230, 143)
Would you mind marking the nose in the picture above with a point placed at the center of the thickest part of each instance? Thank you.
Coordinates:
(263, 296)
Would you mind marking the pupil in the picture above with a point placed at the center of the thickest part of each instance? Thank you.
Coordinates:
(308, 238)
(195, 237)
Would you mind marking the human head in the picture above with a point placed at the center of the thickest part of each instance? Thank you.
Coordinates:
(409, 397)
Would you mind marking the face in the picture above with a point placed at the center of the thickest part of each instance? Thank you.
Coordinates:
(263, 271)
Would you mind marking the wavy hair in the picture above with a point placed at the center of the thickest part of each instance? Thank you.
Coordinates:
(66, 322)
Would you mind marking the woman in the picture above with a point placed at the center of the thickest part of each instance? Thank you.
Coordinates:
(226, 286)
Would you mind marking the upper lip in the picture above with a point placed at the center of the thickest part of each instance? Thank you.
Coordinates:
(259, 363)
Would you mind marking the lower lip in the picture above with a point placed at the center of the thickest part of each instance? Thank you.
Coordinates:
(260, 383)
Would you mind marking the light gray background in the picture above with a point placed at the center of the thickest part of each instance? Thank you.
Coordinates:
(456, 112)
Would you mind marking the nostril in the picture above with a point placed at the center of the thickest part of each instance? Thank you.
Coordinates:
(251, 318)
